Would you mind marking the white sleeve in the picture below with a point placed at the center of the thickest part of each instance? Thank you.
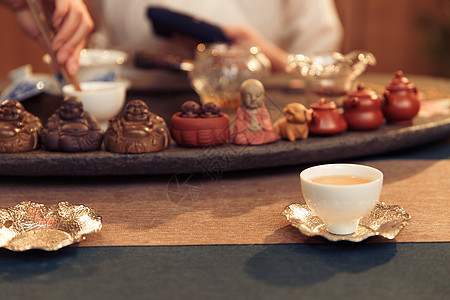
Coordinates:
(312, 26)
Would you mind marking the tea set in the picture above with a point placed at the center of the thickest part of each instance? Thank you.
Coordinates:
(332, 76)
(364, 109)
(74, 128)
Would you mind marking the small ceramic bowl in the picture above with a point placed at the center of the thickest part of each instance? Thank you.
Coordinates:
(341, 194)
(103, 99)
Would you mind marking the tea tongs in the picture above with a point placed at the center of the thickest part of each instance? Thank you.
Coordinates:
(47, 32)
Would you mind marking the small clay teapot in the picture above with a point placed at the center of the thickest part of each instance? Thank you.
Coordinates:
(326, 119)
(401, 102)
(362, 109)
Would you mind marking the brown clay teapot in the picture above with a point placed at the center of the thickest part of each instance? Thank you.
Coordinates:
(326, 119)
(400, 100)
(362, 109)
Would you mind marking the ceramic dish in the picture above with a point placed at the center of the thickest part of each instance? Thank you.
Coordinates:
(384, 220)
(30, 225)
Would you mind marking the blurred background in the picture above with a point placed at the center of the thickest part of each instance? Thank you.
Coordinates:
(411, 35)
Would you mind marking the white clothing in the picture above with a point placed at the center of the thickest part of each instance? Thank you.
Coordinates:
(299, 26)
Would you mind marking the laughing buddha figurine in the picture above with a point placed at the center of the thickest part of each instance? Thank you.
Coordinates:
(19, 129)
(252, 125)
(71, 129)
(137, 130)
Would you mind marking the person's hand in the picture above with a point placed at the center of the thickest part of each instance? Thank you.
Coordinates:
(71, 20)
(247, 36)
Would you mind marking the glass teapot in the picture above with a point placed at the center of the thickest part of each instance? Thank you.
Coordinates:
(330, 74)
(221, 68)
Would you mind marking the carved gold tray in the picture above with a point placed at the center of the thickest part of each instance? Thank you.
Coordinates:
(384, 220)
(30, 225)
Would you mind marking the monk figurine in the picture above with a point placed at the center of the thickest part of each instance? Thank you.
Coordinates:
(19, 129)
(252, 125)
(137, 130)
(71, 129)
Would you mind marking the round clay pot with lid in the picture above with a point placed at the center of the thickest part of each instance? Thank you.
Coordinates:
(326, 119)
(400, 101)
(362, 109)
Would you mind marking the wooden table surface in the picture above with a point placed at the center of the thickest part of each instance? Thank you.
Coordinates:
(235, 208)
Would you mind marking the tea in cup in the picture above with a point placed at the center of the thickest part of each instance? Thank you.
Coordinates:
(341, 194)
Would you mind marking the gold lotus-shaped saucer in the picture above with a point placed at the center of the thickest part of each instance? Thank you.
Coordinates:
(30, 225)
(384, 220)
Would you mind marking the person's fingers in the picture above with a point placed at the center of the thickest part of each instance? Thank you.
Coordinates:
(70, 45)
(237, 33)
(247, 36)
(61, 9)
(66, 32)
(76, 26)
(73, 60)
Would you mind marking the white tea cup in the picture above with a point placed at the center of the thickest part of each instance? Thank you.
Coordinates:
(341, 194)
(103, 99)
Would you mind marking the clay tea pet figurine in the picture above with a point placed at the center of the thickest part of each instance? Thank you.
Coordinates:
(71, 129)
(210, 110)
(190, 109)
(19, 129)
(210, 127)
(294, 124)
(137, 130)
(252, 125)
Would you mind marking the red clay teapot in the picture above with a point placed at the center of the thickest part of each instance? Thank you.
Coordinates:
(400, 101)
(326, 119)
(362, 109)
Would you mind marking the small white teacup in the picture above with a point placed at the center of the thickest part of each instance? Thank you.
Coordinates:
(341, 194)
(103, 99)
